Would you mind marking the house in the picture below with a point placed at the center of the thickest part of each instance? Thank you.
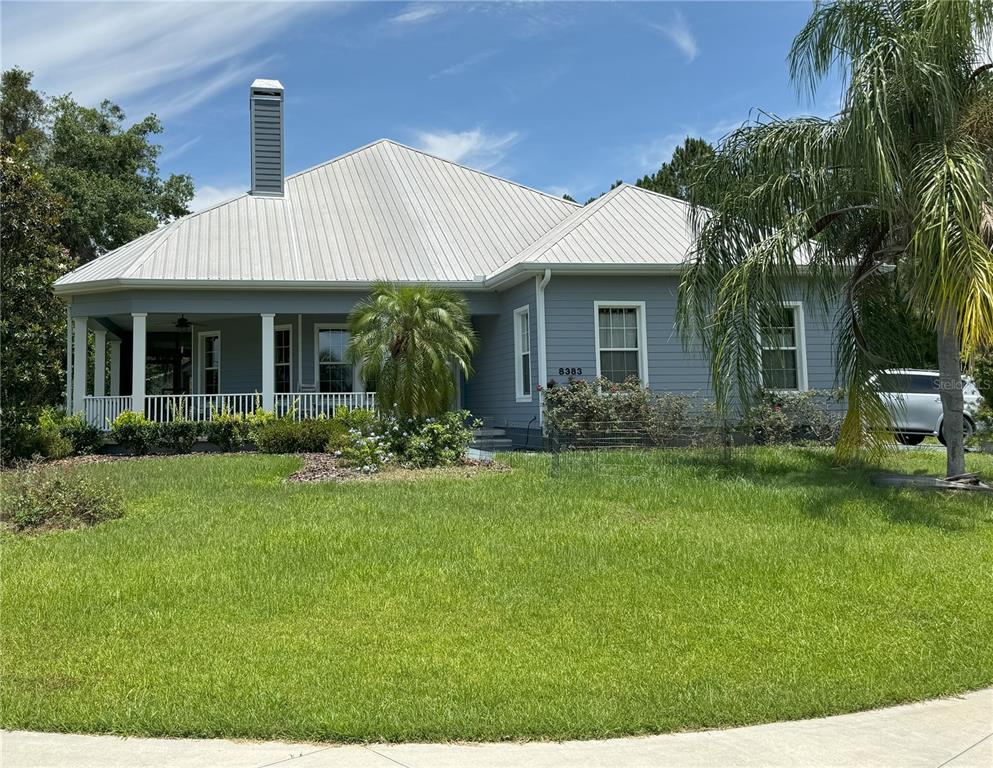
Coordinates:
(245, 304)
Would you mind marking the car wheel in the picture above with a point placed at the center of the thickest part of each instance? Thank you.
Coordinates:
(967, 429)
(909, 438)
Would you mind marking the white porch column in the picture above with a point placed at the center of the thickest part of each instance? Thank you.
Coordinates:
(268, 362)
(78, 363)
(138, 323)
(99, 363)
(115, 367)
(68, 359)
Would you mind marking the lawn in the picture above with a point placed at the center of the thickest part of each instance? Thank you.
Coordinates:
(643, 593)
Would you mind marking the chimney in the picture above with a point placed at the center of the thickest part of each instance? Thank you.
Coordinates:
(266, 109)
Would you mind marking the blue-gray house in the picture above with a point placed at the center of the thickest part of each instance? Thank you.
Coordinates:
(245, 304)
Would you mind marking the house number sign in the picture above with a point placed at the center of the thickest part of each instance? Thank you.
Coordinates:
(570, 371)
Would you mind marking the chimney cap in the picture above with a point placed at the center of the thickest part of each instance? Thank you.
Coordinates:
(269, 85)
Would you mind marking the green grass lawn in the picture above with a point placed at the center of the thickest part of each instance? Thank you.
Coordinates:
(643, 593)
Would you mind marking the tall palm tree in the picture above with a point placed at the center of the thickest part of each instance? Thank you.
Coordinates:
(880, 208)
(406, 337)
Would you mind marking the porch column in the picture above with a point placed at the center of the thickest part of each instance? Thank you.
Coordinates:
(99, 363)
(138, 323)
(68, 359)
(115, 367)
(78, 363)
(268, 363)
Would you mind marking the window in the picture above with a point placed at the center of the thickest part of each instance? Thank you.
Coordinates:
(284, 358)
(522, 353)
(210, 360)
(784, 365)
(333, 373)
(621, 341)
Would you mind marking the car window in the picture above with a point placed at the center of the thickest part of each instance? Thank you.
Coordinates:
(892, 382)
(923, 384)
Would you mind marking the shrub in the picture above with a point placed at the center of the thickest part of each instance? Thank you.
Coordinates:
(257, 420)
(48, 438)
(39, 499)
(133, 432)
(179, 435)
(430, 442)
(226, 430)
(308, 436)
(85, 438)
(366, 453)
(362, 420)
(982, 370)
(779, 418)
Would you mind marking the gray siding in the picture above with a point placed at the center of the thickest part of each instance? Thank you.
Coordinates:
(570, 328)
(267, 141)
(491, 392)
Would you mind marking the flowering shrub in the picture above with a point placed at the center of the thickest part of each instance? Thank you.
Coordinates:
(430, 442)
(366, 453)
(133, 432)
(779, 418)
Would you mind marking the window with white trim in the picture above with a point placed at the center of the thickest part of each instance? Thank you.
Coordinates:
(621, 342)
(334, 373)
(522, 353)
(283, 347)
(784, 365)
(210, 359)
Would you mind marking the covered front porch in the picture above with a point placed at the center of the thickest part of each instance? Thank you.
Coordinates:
(192, 365)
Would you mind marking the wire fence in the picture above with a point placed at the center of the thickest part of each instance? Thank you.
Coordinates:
(605, 447)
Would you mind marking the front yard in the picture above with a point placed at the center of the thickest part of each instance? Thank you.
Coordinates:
(659, 592)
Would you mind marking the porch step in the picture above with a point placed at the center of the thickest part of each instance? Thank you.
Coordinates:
(490, 439)
(488, 432)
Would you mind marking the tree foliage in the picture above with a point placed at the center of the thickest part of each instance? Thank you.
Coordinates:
(32, 320)
(901, 176)
(406, 338)
(678, 177)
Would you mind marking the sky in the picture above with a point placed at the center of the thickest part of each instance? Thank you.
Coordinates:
(563, 97)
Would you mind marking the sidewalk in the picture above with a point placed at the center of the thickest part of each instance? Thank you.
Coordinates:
(946, 733)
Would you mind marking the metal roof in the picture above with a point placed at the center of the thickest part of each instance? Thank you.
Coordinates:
(628, 226)
(384, 211)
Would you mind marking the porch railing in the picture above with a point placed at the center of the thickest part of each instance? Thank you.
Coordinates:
(101, 411)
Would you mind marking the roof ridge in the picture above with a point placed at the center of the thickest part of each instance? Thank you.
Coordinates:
(552, 236)
(161, 235)
(481, 173)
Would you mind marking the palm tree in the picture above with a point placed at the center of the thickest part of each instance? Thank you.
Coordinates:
(880, 208)
(406, 337)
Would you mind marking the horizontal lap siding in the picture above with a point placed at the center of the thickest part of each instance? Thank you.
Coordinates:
(491, 392)
(570, 328)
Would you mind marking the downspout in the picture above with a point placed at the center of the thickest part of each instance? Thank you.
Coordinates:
(542, 361)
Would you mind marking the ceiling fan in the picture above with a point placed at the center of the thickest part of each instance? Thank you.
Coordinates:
(182, 324)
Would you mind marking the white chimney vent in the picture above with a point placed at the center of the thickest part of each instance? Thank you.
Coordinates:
(266, 121)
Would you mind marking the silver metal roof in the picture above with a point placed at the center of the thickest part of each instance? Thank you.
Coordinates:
(386, 211)
(628, 226)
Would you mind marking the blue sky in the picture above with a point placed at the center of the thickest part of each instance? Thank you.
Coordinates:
(565, 97)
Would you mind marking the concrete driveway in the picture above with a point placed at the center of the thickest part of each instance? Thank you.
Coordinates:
(945, 733)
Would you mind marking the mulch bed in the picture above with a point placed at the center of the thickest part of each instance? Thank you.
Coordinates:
(322, 468)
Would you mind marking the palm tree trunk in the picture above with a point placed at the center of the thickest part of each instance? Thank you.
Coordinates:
(950, 381)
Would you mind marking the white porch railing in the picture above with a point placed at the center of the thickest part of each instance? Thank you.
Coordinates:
(309, 405)
(100, 411)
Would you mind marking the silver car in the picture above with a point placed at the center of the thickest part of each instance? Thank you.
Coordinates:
(913, 399)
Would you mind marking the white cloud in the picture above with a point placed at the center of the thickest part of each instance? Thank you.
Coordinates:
(167, 57)
(475, 148)
(209, 195)
(173, 153)
(416, 14)
(679, 34)
(459, 67)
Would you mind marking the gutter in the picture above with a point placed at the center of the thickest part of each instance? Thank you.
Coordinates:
(542, 361)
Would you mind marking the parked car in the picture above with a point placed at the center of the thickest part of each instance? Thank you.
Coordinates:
(913, 399)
